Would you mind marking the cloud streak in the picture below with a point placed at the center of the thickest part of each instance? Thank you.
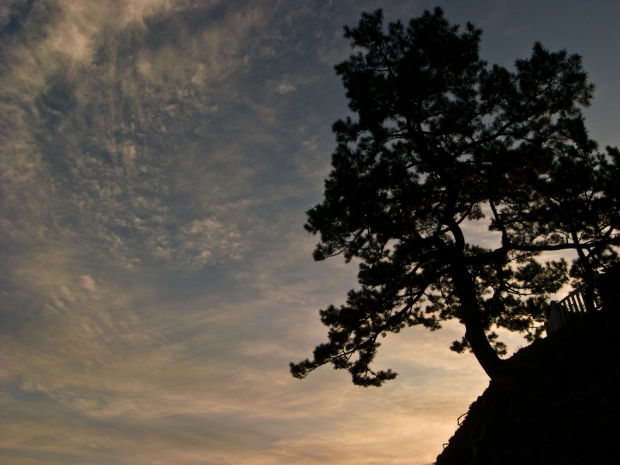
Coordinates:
(157, 159)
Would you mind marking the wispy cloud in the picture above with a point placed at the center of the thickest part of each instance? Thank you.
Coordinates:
(157, 159)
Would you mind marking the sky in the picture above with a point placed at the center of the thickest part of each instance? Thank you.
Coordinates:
(157, 158)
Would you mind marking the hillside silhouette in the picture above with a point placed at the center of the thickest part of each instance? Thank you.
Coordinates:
(559, 403)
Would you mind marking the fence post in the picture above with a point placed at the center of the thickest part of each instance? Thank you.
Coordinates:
(557, 317)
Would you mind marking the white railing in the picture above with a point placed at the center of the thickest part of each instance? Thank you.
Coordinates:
(568, 309)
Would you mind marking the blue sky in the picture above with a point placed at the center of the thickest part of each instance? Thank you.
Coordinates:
(157, 158)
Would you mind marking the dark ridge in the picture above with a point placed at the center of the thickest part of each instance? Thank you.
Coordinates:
(559, 403)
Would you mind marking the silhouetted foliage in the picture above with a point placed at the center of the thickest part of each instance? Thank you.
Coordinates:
(579, 203)
(442, 141)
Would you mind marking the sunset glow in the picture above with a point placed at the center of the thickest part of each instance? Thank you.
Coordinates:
(157, 160)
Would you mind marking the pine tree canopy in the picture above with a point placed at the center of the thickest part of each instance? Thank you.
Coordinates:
(440, 141)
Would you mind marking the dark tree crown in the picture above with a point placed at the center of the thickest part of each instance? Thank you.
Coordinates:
(442, 140)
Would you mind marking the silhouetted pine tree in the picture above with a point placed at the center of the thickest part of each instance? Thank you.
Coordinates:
(440, 139)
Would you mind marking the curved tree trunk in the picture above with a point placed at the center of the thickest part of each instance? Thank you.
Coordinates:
(470, 316)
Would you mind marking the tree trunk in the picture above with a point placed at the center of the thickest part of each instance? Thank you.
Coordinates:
(470, 316)
(589, 295)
